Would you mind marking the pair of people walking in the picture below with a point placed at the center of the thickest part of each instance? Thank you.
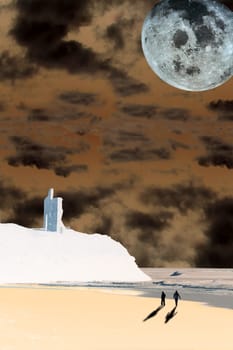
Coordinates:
(176, 297)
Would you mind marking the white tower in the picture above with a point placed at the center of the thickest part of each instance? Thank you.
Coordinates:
(53, 212)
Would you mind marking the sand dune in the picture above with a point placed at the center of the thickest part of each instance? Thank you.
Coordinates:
(65, 319)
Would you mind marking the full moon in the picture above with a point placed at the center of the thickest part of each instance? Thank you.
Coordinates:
(189, 43)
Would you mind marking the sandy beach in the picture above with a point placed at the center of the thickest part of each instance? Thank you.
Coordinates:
(49, 318)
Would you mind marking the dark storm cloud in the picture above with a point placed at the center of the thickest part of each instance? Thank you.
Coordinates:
(180, 241)
(67, 170)
(141, 111)
(78, 97)
(105, 226)
(41, 27)
(79, 202)
(125, 85)
(180, 196)
(221, 105)
(219, 153)
(118, 138)
(146, 230)
(176, 114)
(30, 153)
(217, 251)
(224, 108)
(13, 67)
(9, 195)
(128, 136)
(139, 154)
(226, 117)
(152, 111)
(34, 209)
(148, 223)
(176, 145)
(39, 115)
(115, 32)
(15, 203)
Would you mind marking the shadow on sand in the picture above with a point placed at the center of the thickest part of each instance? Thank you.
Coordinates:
(170, 315)
(153, 313)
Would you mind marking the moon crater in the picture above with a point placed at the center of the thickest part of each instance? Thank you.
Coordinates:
(180, 38)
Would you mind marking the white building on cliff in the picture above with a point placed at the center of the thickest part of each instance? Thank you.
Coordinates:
(53, 212)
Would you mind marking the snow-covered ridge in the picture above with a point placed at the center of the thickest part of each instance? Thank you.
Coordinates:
(38, 256)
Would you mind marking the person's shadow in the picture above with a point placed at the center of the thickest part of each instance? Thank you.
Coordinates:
(153, 313)
(170, 315)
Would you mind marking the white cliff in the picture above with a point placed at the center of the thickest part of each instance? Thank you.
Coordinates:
(39, 256)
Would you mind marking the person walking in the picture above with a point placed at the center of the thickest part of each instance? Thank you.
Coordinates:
(176, 296)
(163, 297)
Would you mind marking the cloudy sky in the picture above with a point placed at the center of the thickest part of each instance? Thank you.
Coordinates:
(132, 157)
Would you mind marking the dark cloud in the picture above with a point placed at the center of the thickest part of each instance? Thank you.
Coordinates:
(221, 105)
(224, 108)
(39, 115)
(176, 145)
(30, 153)
(180, 196)
(78, 97)
(152, 111)
(67, 170)
(128, 136)
(116, 32)
(219, 153)
(147, 223)
(41, 27)
(105, 226)
(217, 250)
(146, 229)
(119, 138)
(176, 114)
(142, 111)
(33, 207)
(125, 85)
(59, 11)
(139, 154)
(13, 67)
(15, 203)
(154, 239)
(10, 195)
(42, 24)
(79, 202)
(180, 240)
(226, 117)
